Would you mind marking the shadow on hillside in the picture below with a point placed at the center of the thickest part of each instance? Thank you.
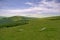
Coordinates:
(12, 25)
(13, 21)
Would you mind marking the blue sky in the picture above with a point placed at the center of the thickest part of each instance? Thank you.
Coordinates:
(16, 4)
(31, 8)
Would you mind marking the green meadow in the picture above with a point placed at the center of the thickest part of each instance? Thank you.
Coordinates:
(23, 28)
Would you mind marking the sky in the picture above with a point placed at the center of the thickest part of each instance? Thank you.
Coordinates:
(30, 8)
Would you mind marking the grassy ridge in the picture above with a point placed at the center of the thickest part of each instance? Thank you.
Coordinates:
(31, 31)
(13, 21)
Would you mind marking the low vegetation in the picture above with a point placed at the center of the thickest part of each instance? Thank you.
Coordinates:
(30, 28)
(13, 21)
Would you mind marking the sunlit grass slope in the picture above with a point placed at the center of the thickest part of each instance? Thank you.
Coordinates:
(31, 31)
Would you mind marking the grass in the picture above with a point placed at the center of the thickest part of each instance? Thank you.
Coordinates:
(32, 31)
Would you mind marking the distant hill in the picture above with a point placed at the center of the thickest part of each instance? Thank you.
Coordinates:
(13, 21)
(20, 20)
(53, 18)
(2, 17)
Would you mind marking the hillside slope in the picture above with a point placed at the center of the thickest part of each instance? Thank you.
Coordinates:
(13, 21)
(32, 30)
(2, 17)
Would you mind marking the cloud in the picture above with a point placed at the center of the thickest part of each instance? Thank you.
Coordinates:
(29, 3)
(57, 1)
(41, 9)
(49, 0)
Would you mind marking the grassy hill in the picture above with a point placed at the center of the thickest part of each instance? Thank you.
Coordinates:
(13, 21)
(32, 30)
(2, 17)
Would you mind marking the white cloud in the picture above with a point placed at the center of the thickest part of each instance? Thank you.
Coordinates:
(43, 9)
(29, 3)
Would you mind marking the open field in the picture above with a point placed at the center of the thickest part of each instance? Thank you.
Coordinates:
(32, 30)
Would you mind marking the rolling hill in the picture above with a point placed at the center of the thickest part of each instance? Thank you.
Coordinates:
(31, 30)
(13, 21)
(2, 17)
